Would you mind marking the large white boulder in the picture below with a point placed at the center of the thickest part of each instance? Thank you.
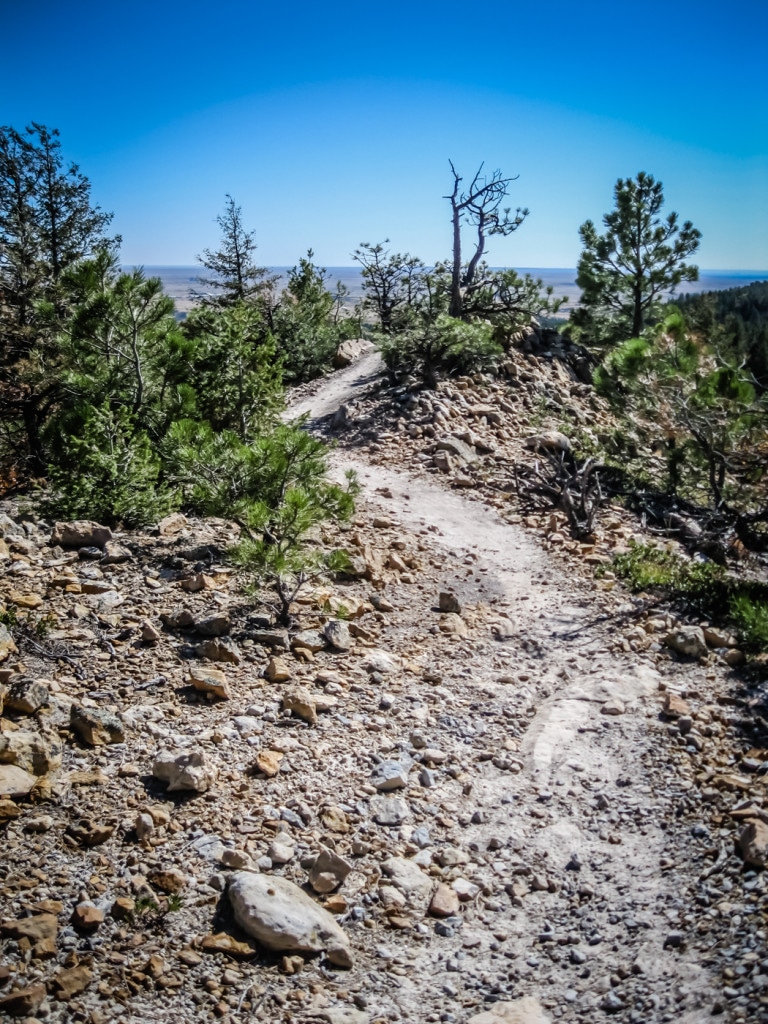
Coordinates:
(282, 917)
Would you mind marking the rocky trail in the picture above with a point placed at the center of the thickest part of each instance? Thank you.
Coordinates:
(478, 785)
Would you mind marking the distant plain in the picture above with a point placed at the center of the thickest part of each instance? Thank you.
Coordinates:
(180, 282)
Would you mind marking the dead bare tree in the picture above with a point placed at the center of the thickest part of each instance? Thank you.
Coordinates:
(565, 483)
(479, 206)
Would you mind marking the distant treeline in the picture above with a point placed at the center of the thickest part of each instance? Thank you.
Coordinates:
(736, 318)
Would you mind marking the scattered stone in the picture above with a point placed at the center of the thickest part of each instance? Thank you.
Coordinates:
(8, 809)
(96, 726)
(336, 632)
(37, 929)
(80, 533)
(183, 770)
(168, 880)
(26, 695)
(87, 916)
(269, 761)
(209, 680)
(89, 832)
(328, 872)
(752, 843)
(32, 751)
(309, 639)
(527, 1010)
(448, 602)
(221, 942)
(389, 775)
(277, 671)
(280, 851)
(300, 702)
(150, 634)
(70, 982)
(172, 524)
(674, 705)
(688, 641)
(445, 902)
(214, 625)
(220, 648)
(283, 918)
(389, 810)
(23, 1001)
(115, 553)
(7, 646)
(350, 351)
(549, 440)
(408, 877)
(15, 782)
(614, 706)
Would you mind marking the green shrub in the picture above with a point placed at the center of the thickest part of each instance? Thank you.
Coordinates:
(703, 587)
(110, 472)
(452, 345)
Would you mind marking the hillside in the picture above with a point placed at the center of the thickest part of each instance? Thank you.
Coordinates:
(499, 776)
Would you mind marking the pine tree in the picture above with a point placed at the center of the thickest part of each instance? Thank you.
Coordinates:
(641, 257)
(237, 278)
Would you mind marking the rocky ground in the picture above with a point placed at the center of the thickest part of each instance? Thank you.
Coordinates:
(476, 784)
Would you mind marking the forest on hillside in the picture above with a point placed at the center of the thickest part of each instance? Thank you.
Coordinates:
(739, 317)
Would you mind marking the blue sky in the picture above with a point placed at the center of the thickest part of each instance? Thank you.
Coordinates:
(333, 124)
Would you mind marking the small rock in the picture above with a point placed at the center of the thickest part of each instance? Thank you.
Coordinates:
(8, 809)
(389, 810)
(674, 705)
(752, 843)
(123, 908)
(214, 625)
(280, 851)
(389, 775)
(36, 929)
(15, 782)
(183, 770)
(527, 1010)
(209, 680)
(221, 942)
(268, 762)
(32, 751)
(26, 695)
(445, 902)
(150, 634)
(310, 639)
(408, 878)
(448, 602)
(551, 440)
(23, 1001)
(614, 706)
(89, 832)
(70, 982)
(328, 872)
(87, 916)
(220, 648)
(80, 534)
(688, 641)
(7, 646)
(172, 524)
(96, 726)
(337, 634)
(300, 702)
(168, 880)
(115, 554)
(277, 671)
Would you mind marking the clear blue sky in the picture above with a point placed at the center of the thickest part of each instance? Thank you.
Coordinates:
(332, 124)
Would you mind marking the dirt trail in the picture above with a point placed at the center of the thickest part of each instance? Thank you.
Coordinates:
(577, 810)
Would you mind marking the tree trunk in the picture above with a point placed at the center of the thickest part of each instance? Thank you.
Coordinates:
(456, 306)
